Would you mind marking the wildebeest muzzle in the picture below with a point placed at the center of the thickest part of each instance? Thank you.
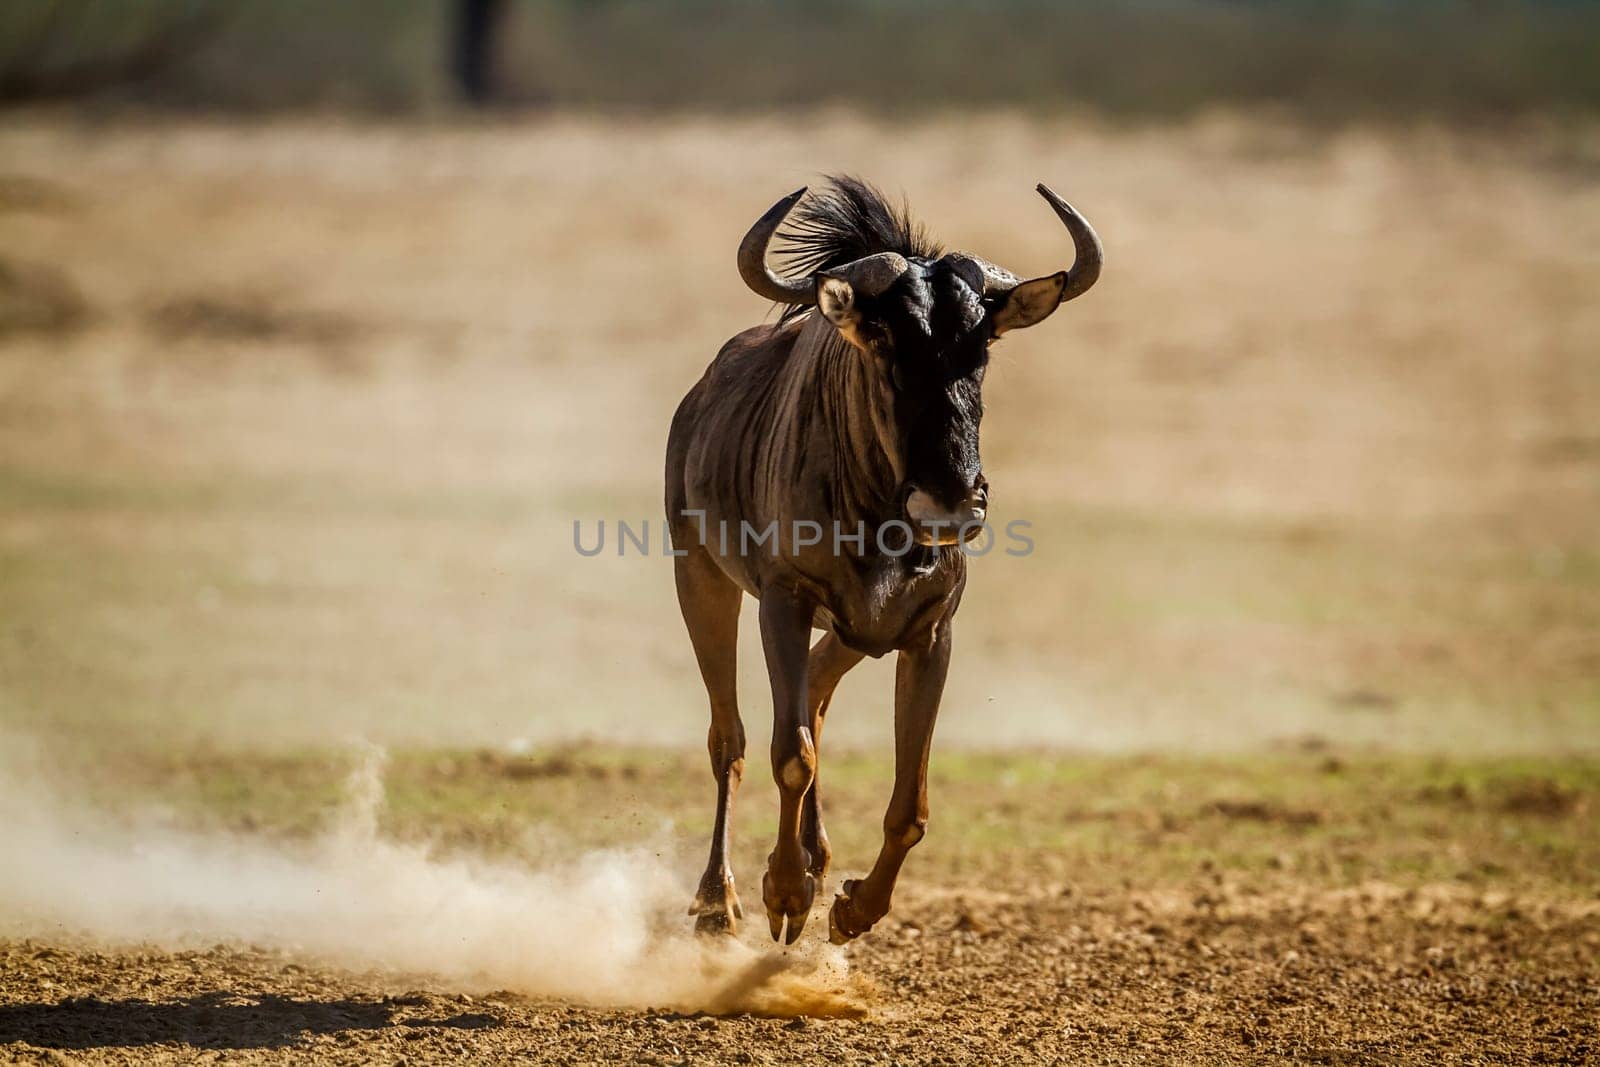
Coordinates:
(947, 523)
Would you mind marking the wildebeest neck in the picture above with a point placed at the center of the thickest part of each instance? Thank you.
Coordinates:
(841, 424)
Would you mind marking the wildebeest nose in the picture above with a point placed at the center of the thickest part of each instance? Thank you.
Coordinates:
(947, 525)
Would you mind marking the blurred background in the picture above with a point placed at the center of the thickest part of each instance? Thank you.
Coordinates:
(320, 325)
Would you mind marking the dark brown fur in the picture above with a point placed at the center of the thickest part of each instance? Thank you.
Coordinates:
(838, 420)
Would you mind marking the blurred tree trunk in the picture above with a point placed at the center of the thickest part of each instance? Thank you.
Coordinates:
(472, 57)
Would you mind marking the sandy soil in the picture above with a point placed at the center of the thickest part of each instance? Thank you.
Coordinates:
(1203, 974)
(1297, 908)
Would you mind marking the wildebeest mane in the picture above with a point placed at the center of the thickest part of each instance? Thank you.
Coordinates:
(846, 221)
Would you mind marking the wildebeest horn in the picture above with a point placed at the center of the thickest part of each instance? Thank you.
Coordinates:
(1088, 255)
(869, 275)
(753, 258)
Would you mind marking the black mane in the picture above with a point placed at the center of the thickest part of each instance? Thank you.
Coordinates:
(849, 220)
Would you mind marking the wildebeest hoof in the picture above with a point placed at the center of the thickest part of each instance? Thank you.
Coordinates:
(844, 925)
(721, 923)
(716, 908)
(792, 908)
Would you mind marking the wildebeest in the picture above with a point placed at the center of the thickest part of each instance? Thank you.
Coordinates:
(855, 413)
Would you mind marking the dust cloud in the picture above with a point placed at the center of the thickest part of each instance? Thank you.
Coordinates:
(607, 928)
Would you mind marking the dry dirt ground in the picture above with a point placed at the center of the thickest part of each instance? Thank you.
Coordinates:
(1296, 908)
(1197, 975)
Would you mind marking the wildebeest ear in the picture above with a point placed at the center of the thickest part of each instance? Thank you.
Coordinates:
(1031, 302)
(837, 302)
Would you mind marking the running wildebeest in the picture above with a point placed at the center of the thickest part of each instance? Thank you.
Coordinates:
(827, 465)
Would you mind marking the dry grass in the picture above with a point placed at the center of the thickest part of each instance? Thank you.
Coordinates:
(1318, 458)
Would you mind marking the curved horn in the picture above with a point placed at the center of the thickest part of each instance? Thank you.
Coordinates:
(871, 275)
(1088, 254)
(753, 258)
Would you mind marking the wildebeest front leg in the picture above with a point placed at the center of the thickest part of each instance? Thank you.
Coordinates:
(710, 605)
(918, 684)
(789, 886)
(830, 661)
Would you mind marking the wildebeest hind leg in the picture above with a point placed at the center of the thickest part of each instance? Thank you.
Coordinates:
(829, 662)
(710, 605)
(918, 684)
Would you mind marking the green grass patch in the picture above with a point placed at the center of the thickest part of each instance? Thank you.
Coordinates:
(1089, 820)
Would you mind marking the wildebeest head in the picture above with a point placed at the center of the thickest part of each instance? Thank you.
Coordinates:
(923, 320)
